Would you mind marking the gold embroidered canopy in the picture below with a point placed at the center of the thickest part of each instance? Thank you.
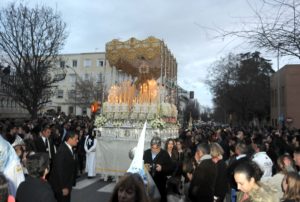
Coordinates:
(145, 59)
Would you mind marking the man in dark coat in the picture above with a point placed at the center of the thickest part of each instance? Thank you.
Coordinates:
(63, 174)
(64, 131)
(35, 187)
(159, 164)
(204, 177)
(44, 143)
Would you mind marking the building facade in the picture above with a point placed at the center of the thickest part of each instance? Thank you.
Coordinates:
(285, 97)
(82, 67)
(9, 108)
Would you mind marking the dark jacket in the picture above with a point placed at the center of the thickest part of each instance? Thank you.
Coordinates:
(41, 147)
(202, 187)
(33, 189)
(63, 173)
(160, 178)
(221, 180)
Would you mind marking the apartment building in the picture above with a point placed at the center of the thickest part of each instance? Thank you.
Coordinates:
(83, 67)
(285, 108)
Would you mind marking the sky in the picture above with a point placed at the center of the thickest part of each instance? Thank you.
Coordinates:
(186, 26)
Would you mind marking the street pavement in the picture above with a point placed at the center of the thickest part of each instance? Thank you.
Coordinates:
(92, 190)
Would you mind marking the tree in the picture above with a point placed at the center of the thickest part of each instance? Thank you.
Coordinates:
(276, 27)
(205, 114)
(30, 39)
(241, 87)
(88, 91)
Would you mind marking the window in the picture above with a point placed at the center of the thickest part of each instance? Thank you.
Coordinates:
(58, 109)
(84, 111)
(62, 64)
(60, 94)
(71, 94)
(87, 63)
(72, 78)
(71, 110)
(100, 63)
(59, 76)
(86, 77)
(74, 63)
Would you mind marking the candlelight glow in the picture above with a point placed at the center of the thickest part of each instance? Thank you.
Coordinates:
(126, 93)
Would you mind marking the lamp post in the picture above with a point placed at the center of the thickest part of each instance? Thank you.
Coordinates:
(278, 87)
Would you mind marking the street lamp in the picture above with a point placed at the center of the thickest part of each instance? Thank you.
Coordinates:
(278, 86)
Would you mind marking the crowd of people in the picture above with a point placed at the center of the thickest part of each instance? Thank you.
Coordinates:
(47, 153)
(222, 164)
(205, 163)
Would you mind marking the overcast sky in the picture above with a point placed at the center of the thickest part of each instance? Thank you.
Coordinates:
(182, 24)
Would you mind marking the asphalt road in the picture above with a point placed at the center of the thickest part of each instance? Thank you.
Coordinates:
(92, 190)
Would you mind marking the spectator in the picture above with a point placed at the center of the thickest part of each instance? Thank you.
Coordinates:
(291, 187)
(297, 158)
(240, 156)
(261, 158)
(174, 190)
(11, 133)
(63, 174)
(202, 186)
(130, 188)
(184, 155)
(43, 142)
(247, 176)
(4, 195)
(221, 187)
(35, 187)
(284, 164)
(64, 131)
(80, 150)
(171, 149)
(159, 165)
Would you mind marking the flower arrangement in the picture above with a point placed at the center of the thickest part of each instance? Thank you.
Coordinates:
(100, 121)
(117, 123)
(157, 123)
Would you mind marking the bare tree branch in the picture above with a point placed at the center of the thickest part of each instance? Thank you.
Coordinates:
(30, 40)
(276, 28)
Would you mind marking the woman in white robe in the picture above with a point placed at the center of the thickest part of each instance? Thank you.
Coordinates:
(90, 149)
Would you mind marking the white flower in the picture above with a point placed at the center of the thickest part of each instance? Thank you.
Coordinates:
(100, 121)
(157, 123)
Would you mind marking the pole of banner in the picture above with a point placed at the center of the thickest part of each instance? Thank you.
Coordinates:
(278, 90)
